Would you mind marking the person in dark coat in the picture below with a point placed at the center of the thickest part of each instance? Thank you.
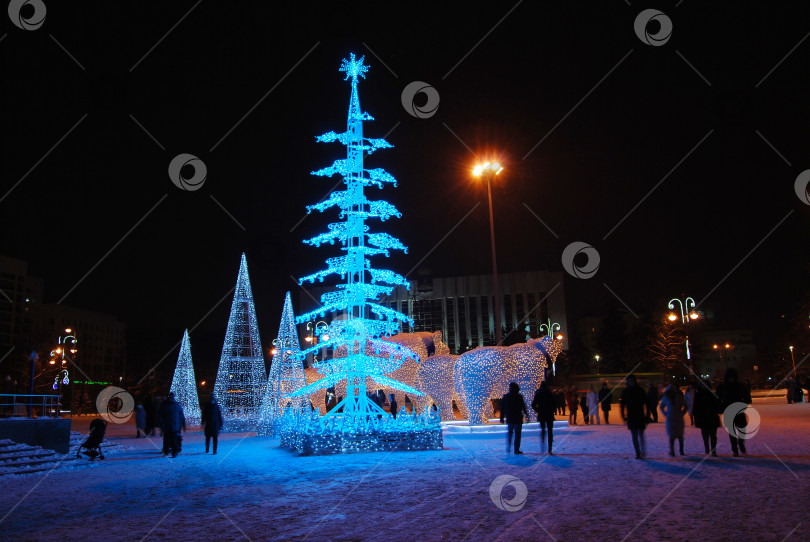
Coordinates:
(151, 416)
(158, 423)
(571, 401)
(635, 410)
(544, 404)
(583, 404)
(140, 421)
(172, 421)
(212, 422)
(513, 407)
(394, 406)
(606, 400)
(706, 410)
(653, 397)
(733, 391)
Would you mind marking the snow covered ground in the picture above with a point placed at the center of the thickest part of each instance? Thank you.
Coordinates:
(593, 489)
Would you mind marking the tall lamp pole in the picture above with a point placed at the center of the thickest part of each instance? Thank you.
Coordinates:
(794, 362)
(488, 171)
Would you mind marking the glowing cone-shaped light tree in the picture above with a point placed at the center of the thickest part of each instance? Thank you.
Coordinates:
(365, 321)
(184, 385)
(241, 376)
(286, 372)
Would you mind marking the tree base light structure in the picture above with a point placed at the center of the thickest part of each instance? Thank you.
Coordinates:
(357, 423)
(184, 384)
(286, 374)
(241, 376)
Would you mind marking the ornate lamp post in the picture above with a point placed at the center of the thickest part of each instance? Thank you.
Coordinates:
(688, 314)
(551, 327)
(488, 171)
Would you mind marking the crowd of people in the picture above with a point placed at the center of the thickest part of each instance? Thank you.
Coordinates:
(638, 408)
(167, 416)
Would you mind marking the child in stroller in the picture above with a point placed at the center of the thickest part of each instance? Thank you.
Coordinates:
(92, 445)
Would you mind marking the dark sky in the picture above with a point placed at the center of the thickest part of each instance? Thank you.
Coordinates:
(506, 80)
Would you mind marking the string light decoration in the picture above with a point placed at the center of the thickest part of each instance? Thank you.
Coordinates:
(184, 384)
(357, 423)
(241, 376)
(308, 433)
(436, 379)
(286, 373)
(485, 373)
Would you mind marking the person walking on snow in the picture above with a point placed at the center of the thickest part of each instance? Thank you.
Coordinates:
(689, 399)
(140, 421)
(544, 404)
(706, 410)
(652, 394)
(605, 399)
(732, 391)
(673, 406)
(635, 410)
(583, 404)
(172, 420)
(593, 405)
(212, 423)
(571, 400)
(513, 407)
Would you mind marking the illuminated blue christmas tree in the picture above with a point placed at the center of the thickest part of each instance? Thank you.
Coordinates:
(286, 373)
(356, 335)
(241, 376)
(184, 385)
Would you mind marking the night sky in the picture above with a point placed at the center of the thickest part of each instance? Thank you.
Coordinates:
(246, 88)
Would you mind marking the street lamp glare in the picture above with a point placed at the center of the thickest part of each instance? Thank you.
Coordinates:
(68, 330)
(728, 345)
(672, 317)
(495, 166)
(791, 348)
(560, 337)
(694, 316)
(478, 170)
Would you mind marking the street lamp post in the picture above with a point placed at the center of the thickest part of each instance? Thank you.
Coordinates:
(794, 362)
(687, 316)
(597, 363)
(63, 345)
(550, 328)
(488, 171)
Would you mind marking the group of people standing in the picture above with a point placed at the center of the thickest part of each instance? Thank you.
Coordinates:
(638, 408)
(171, 421)
(589, 403)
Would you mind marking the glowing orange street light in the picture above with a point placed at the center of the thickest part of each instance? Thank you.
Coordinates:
(672, 317)
(488, 171)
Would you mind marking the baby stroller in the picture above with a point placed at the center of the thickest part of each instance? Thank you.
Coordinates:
(92, 445)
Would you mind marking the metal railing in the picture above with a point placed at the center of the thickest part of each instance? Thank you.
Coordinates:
(31, 406)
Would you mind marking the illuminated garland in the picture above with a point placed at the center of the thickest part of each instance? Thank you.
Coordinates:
(184, 384)
(241, 376)
(286, 373)
(360, 358)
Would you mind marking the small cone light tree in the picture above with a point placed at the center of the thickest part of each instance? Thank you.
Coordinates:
(184, 385)
(286, 372)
